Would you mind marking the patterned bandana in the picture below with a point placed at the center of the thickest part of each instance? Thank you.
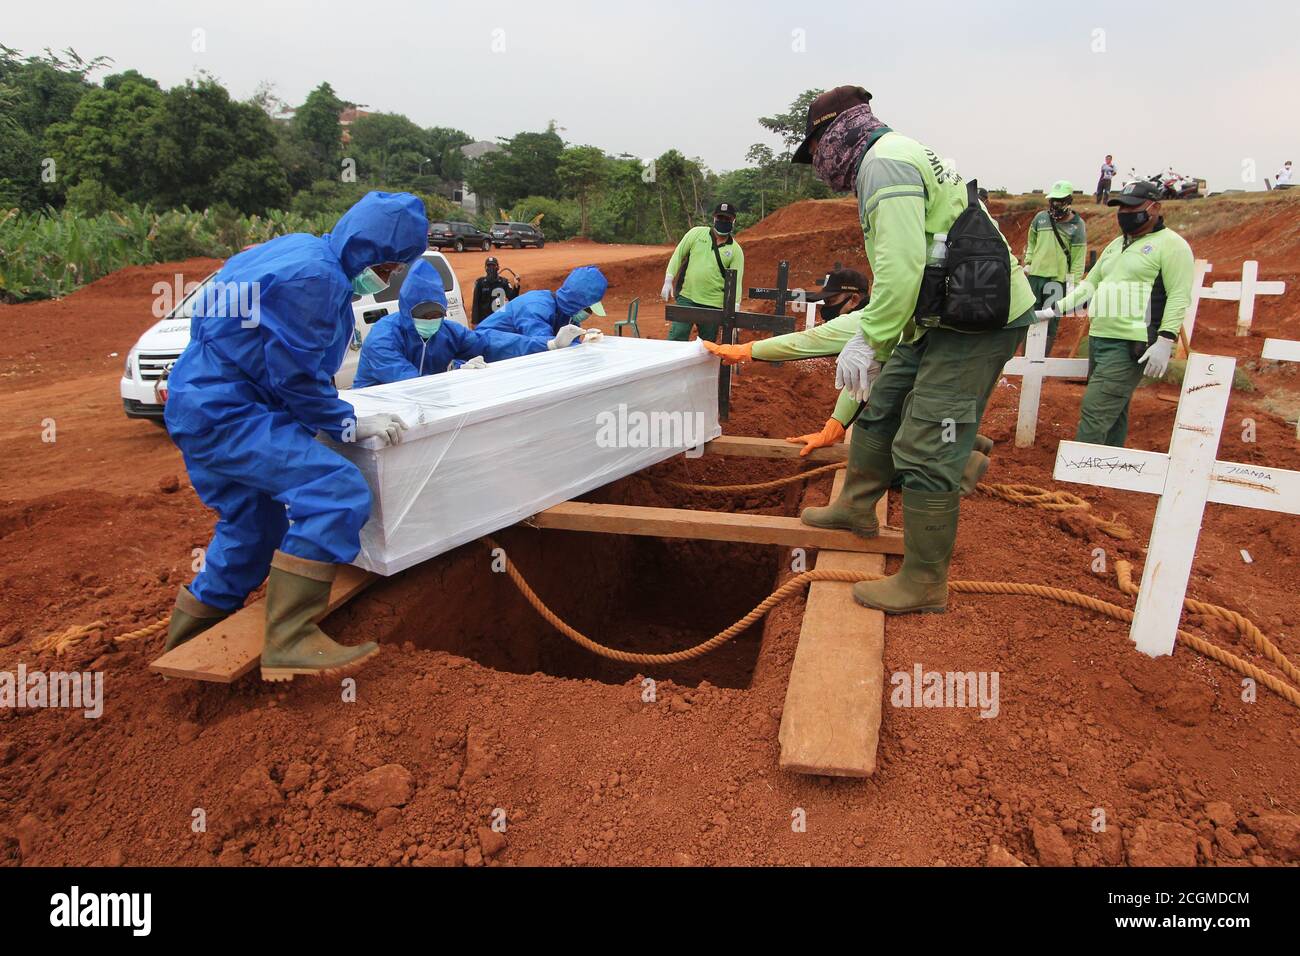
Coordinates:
(838, 152)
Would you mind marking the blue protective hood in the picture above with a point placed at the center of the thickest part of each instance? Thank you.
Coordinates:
(381, 227)
(585, 286)
(422, 284)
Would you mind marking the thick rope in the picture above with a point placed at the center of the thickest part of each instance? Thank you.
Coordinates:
(798, 582)
(1055, 501)
(754, 486)
(1246, 629)
(1020, 494)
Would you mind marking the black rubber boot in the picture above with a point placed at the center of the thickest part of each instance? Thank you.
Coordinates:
(297, 596)
(870, 471)
(929, 534)
(190, 617)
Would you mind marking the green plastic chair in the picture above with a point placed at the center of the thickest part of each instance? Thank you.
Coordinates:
(632, 309)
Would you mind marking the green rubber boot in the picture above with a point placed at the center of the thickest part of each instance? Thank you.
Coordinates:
(190, 617)
(870, 471)
(297, 596)
(976, 465)
(983, 444)
(929, 533)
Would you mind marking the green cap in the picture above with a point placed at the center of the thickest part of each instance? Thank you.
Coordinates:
(1061, 189)
(597, 307)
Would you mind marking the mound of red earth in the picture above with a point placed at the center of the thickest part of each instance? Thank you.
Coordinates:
(479, 736)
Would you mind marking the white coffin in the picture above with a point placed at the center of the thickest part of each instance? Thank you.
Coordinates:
(489, 447)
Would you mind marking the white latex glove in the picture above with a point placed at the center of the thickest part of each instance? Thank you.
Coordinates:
(592, 335)
(475, 362)
(564, 338)
(1156, 358)
(666, 292)
(387, 426)
(856, 367)
(1042, 315)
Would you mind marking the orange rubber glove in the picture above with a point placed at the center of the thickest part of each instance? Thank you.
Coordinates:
(731, 354)
(832, 433)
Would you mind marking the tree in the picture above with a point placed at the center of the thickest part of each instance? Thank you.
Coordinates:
(526, 165)
(110, 138)
(35, 93)
(388, 147)
(790, 127)
(582, 170)
(762, 157)
(316, 124)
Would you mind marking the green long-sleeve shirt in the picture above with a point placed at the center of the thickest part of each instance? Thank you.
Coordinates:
(906, 194)
(703, 283)
(1044, 256)
(1118, 290)
(822, 340)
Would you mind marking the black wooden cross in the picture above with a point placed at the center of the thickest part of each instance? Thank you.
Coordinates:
(732, 320)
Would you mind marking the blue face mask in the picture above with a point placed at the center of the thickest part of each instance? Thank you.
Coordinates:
(427, 328)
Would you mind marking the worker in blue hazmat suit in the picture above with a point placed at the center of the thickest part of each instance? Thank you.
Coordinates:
(542, 315)
(245, 402)
(418, 339)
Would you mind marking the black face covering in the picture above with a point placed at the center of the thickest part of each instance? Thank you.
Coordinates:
(827, 311)
(1131, 222)
(1059, 211)
(723, 226)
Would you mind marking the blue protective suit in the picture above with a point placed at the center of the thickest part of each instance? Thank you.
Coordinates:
(540, 314)
(394, 350)
(254, 386)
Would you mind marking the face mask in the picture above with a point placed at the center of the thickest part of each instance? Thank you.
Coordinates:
(723, 226)
(1059, 211)
(829, 311)
(580, 317)
(1131, 222)
(427, 328)
(368, 283)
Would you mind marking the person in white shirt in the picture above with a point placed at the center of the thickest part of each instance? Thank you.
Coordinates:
(1283, 178)
(1103, 182)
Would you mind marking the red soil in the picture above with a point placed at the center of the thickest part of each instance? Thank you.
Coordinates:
(484, 709)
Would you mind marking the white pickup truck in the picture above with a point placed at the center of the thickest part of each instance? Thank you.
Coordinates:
(144, 381)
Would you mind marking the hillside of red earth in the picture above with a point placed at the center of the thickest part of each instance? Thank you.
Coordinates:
(477, 712)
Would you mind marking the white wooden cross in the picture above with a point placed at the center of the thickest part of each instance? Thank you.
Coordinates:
(1243, 293)
(1032, 367)
(1185, 478)
(1199, 272)
(1283, 350)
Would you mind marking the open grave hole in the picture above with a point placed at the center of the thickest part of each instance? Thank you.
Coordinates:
(639, 594)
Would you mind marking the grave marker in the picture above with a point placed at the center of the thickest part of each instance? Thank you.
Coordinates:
(1186, 479)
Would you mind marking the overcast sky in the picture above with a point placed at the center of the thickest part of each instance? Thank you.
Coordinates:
(1018, 93)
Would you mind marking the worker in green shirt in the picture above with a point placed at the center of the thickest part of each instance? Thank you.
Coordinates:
(1137, 295)
(1055, 251)
(925, 387)
(697, 271)
(843, 294)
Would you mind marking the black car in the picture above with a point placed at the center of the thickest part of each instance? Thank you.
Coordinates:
(459, 236)
(517, 235)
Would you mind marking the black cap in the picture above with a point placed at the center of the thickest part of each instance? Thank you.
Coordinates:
(725, 209)
(839, 280)
(822, 112)
(1135, 194)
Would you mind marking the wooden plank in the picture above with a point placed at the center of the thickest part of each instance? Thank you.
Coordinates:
(1204, 400)
(1246, 305)
(231, 649)
(737, 446)
(831, 720)
(709, 526)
